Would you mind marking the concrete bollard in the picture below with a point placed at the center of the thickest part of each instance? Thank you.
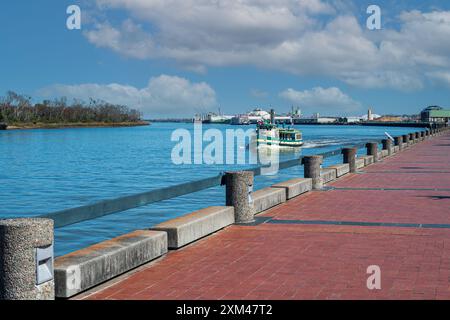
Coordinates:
(372, 150)
(417, 136)
(422, 135)
(406, 139)
(239, 188)
(387, 145)
(350, 158)
(398, 141)
(411, 138)
(312, 170)
(26, 259)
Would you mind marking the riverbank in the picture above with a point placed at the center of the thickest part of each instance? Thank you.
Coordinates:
(75, 125)
(306, 123)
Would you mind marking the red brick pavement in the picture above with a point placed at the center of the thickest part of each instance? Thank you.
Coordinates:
(294, 261)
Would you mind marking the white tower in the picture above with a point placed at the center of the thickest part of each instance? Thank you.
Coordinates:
(369, 114)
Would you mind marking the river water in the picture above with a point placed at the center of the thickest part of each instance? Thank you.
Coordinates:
(44, 171)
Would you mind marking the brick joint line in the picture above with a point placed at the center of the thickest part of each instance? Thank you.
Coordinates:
(361, 224)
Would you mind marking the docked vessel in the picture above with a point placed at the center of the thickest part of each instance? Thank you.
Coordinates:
(239, 120)
(268, 134)
(219, 118)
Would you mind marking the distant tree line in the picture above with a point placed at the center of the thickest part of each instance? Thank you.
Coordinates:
(16, 108)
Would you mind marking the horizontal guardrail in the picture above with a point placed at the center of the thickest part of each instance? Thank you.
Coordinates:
(96, 210)
(103, 208)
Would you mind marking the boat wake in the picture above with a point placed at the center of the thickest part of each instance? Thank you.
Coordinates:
(309, 144)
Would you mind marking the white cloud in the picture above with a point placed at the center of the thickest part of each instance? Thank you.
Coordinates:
(441, 77)
(328, 100)
(285, 35)
(164, 95)
(129, 40)
(259, 94)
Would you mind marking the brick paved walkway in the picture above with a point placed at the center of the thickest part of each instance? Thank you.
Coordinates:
(308, 255)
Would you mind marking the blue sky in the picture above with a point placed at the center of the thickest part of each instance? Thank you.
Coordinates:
(176, 58)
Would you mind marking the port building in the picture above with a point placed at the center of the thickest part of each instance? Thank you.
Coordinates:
(435, 114)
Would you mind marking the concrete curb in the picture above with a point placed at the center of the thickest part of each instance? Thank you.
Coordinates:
(328, 174)
(368, 160)
(267, 198)
(341, 169)
(189, 228)
(86, 268)
(360, 163)
(295, 187)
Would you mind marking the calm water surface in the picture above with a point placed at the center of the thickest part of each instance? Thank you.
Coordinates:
(43, 171)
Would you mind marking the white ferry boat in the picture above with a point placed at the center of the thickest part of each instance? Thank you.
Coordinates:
(268, 134)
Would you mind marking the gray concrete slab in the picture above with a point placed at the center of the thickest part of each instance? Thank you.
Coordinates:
(360, 163)
(83, 269)
(367, 160)
(328, 174)
(267, 198)
(295, 187)
(189, 228)
(341, 169)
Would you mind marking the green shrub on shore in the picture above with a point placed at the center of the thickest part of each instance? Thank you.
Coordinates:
(18, 109)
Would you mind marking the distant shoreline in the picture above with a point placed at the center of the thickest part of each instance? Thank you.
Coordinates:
(362, 123)
(29, 126)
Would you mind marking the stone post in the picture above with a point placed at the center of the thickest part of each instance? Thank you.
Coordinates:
(312, 170)
(399, 142)
(417, 136)
(406, 139)
(412, 137)
(372, 150)
(387, 145)
(239, 188)
(26, 259)
(350, 158)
